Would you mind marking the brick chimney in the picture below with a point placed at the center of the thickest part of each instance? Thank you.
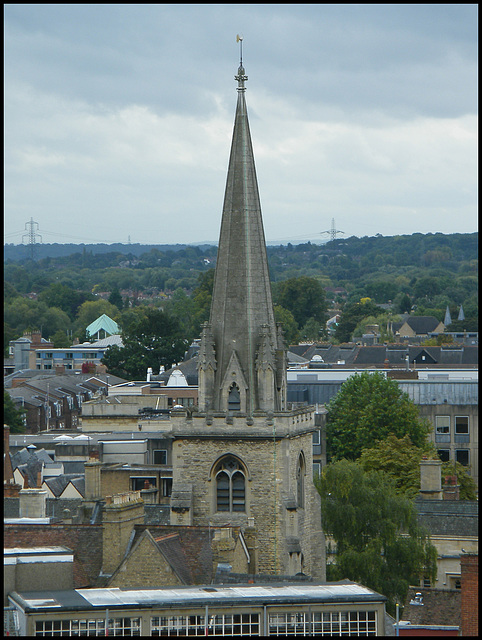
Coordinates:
(451, 490)
(469, 565)
(431, 479)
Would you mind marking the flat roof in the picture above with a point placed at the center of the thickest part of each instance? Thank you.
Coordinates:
(197, 596)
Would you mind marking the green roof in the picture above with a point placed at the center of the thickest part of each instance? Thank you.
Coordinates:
(103, 323)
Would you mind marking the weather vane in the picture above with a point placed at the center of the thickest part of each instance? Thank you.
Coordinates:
(241, 77)
(240, 40)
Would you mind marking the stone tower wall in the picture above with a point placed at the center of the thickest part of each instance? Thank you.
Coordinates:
(271, 485)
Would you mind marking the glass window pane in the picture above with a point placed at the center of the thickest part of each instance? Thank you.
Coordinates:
(461, 425)
(442, 424)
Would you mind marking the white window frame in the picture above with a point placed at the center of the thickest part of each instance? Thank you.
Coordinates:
(442, 429)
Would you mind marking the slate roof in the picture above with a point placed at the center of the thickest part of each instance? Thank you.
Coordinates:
(84, 540)
(22, 457)
(31, 470)
(396, 354)
(69, 380)
(449, 517)
(172, 549)
(187, 549)
(421, 325)
(188, 368)
(440, 607)
(58, 484)
(30, 396)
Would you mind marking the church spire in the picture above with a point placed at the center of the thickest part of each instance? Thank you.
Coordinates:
(249, 355)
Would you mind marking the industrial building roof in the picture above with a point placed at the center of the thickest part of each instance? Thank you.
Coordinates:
(252, 594)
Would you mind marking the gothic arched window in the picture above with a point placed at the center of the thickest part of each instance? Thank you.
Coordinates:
(234, 401)
(230, 485)
(300, 481)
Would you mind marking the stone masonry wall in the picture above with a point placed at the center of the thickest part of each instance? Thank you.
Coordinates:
(145, 568)
(271, 477)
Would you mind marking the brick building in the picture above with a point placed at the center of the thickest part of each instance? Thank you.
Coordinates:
(470, 594)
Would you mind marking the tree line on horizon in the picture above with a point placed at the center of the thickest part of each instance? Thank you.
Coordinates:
(421, 274)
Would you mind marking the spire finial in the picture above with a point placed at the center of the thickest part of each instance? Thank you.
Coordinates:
(241, 77)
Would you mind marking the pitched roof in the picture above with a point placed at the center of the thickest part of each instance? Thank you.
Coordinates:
(421, 325)
(23, 456)
(448, 517)
(103, 323)
(172, 549)
(183, 545)
(58, 484)
(440, 606)
(188, 369)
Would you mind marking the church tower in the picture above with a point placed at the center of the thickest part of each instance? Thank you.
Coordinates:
(243, 458)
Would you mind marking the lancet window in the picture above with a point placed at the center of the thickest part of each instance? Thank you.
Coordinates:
(230, 485)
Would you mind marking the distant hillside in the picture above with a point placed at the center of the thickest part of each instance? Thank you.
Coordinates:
(458, 246)
(20, 252)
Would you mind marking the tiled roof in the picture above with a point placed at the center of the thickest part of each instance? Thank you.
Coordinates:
(171, 548)
(188, 368)
(23, 456)
(57, 484)
(191, 547)
(440, 606)
(421, 325)
(84, 540)
(449, 517)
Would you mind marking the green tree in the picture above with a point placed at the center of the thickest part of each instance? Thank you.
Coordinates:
(312, 330)
(304, 297)
(151, 338)
(181, 306)
(467, 487)
(61, 339)
(13, 417)
(202, 296)
(64, 297)
(378, 540)
(352, 314)
(53, 321)
(403, 303)
(367, 409)
(290, 326)
(115, 298)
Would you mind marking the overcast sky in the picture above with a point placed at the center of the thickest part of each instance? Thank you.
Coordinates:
(118, 119)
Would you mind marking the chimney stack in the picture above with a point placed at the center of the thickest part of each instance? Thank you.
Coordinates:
(451, 490)
(431, 479)
(33, 503)
(469, 566)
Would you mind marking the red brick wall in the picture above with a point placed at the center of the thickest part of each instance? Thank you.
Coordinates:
(469, 564)
(85, 541)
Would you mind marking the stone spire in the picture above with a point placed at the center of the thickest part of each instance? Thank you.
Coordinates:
(246, 372)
